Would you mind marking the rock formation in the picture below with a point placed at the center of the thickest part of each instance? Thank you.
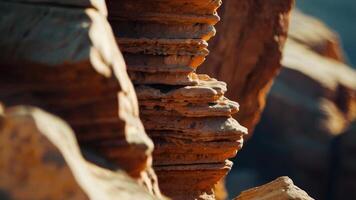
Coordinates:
(186, 114)
(311, 104)
(62, 56)
(39, 150)
(321, 40)
(247, 50)
(282, 188)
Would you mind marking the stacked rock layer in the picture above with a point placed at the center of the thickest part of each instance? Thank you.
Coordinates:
(249, 46)
(186, 114)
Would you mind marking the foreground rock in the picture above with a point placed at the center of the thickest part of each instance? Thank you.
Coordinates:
(282, 188)
(38, 150)
(186, 114)
(247, 51)
(62, 56)
(311, 105)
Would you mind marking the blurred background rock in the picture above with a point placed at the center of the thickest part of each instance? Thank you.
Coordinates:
(340, 16)
(307, 127)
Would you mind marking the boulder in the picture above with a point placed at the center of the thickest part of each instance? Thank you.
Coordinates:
(282, 188)
(40, 159)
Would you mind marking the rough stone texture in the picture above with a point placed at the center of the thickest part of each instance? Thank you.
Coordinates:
(282, 188)
(62, 56)
(247, 51)
(311, 104)
(39, 150)
(186, 114)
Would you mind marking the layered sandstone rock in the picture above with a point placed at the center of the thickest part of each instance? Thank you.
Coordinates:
(186, 114)
(62, 56)
(282, 188)
(247, 51)
(40, 159)
(311, 104)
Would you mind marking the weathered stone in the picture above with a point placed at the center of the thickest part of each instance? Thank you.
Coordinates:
(38, 150)
(311, 104)
(174, 32)
(186, 114)
(193, 181)
(247, 51)
(282, 188)
(63, 57)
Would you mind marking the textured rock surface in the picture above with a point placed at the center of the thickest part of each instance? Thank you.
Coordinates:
(38, 150)
(247, 51)
(186, 114)
(63, 57)
(311, 104)
(282, 188)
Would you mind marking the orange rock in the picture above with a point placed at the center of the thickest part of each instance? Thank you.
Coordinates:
(63, 57)
(311, 105)
(40, 159)
(247, 50)
(282, 188)
(185, 113)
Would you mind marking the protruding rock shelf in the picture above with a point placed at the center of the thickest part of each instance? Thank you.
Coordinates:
(186, 114)
(247, 50)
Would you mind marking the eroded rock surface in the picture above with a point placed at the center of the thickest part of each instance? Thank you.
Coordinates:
(311, 105)
(186, 114)
(62, 56)
(247, 50)
(282, 188)
(40, 159)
